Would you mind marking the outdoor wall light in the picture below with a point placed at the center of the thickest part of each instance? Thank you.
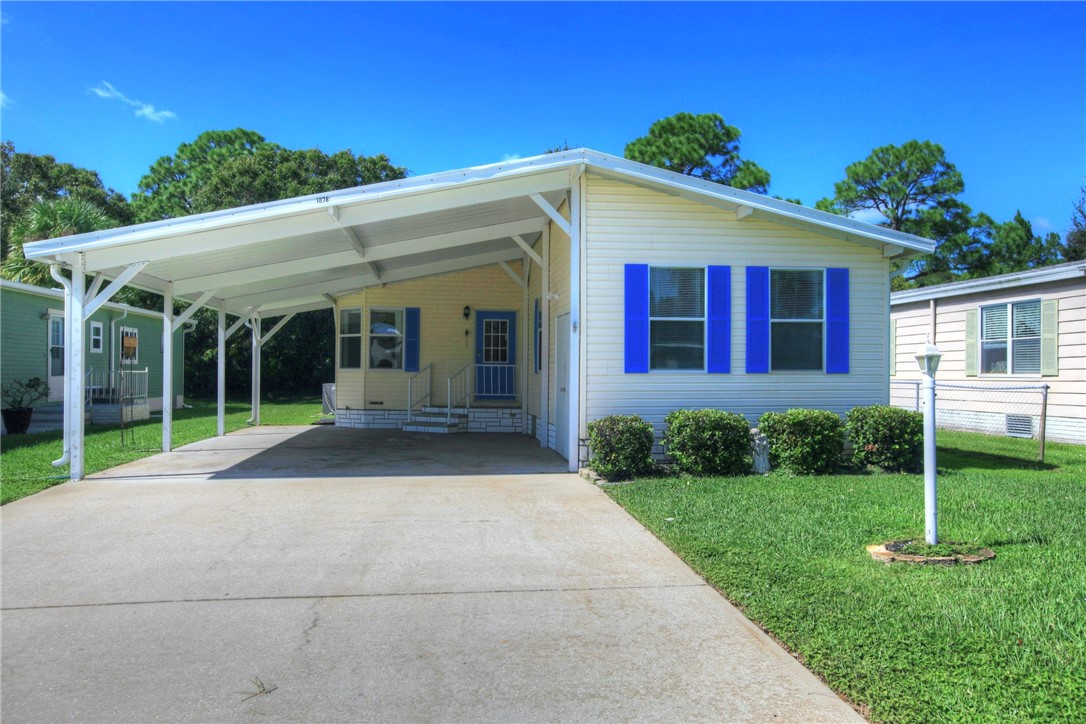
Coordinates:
(467, 312)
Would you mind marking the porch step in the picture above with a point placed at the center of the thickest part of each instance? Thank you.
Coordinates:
(434, 426)
(439, 416)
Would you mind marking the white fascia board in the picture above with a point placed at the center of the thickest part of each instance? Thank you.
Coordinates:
(1043, 275)
(418, 194)
(59, 294)
(268, 311)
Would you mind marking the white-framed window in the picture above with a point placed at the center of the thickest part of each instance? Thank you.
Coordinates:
(1010, 338)
(95, 336)
(676, 318)
(350, 338)
(386, 339)
(130, 345)
(797, 319)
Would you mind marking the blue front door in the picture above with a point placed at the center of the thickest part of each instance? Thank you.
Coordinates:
(495, 355)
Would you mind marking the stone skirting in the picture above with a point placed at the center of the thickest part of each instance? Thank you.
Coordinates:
(480, 419)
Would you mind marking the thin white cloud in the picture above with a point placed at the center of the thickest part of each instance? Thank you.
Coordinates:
(143, 110)
(1042, 225)
(510, 157)
(5, 102)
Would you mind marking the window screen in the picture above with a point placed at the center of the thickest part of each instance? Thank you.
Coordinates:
(796, 316)
(1010, 338)
(386, 339)
(676, 318)
(350, 338)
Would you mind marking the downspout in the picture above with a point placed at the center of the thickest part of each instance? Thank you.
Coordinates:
(54, 271)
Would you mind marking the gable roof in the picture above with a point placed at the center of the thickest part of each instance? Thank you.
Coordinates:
(296, 254)
(1043, 275)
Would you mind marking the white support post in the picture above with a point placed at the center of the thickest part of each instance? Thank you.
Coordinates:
(255, 418)
(74, 400)
(221, 377)
(545, 348)
(526, 349)
(574, 422)
(167, 367)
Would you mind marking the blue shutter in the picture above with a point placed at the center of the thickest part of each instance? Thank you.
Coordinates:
(720, 319)
(637, 318)
(837, 321)
(757, 319)
(411, 340)
(535, 336)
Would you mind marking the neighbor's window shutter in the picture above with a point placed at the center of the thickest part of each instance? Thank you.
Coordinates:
(1050, 359)
(637, 318)
(411, 340)
(972, 335)
(837, 321)
(757, 319)
(893, 347)
(720, 319)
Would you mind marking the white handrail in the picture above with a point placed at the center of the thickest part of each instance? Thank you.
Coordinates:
(458, 391)
(425, 385)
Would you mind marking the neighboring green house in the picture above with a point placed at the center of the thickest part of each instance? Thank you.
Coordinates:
(123, 354)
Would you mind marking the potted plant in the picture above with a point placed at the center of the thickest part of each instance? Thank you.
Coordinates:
(18, 399)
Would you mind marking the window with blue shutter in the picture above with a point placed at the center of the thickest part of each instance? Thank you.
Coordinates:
(757, 319)
(719, 357)
(411, 339)
(837, 321)
(637, 318)
(538, 336)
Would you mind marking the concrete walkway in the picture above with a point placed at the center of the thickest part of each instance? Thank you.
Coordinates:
(471, 581)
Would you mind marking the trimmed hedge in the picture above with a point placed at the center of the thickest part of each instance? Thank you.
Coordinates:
(887, 437)
(708, 442)
(804, 442)
(621, 446)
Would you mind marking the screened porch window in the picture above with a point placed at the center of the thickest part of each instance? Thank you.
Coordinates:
(1010, 341)
(796, 319)
(350, 339)
(676, 318)
(386, 339)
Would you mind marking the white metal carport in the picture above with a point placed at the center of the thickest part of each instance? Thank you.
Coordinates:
(281, 258)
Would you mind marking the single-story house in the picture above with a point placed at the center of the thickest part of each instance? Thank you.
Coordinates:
(539, 294)
(1003, 338)
(123, 355)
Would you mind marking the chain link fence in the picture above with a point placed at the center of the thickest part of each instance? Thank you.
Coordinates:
(992, 409)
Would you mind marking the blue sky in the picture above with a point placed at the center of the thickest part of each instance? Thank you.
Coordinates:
(813, 86)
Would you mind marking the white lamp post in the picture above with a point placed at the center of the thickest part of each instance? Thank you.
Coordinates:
(928, 356)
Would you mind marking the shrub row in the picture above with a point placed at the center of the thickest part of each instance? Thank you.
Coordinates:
(801, 442)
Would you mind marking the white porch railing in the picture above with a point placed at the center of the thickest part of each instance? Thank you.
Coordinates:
(459, 392)
(419, 389)
(112, 387)
(496, 381)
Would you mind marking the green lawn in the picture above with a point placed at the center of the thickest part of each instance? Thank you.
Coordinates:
(25, 459)
(1000, 641)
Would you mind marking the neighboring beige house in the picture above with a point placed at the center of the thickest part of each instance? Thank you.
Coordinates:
(535, 295)
(1002, 338)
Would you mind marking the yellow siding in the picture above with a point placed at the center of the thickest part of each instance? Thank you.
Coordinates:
(443, 342)
(630, 224)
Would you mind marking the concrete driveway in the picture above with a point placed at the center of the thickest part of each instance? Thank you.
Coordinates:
(319, 574)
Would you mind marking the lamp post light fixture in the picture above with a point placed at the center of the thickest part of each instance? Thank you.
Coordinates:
(927, 357)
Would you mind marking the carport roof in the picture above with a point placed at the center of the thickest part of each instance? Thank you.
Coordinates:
(297, 254)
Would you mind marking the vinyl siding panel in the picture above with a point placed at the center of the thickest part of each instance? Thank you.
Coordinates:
(443, 343)
(630, 224)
